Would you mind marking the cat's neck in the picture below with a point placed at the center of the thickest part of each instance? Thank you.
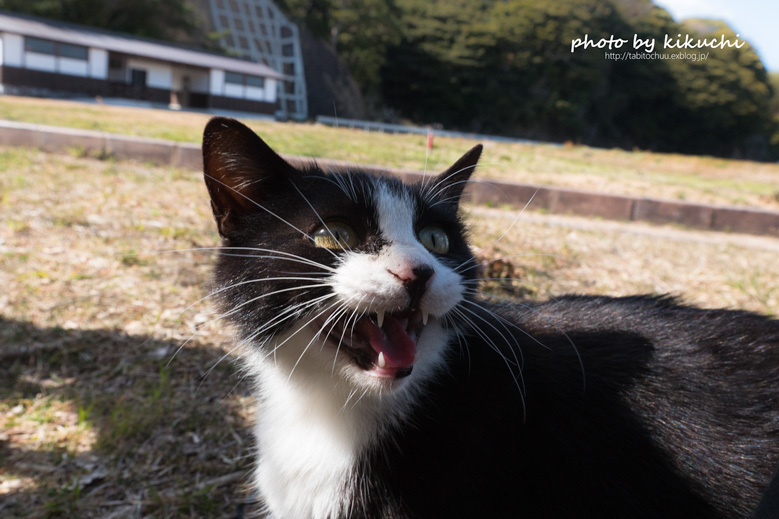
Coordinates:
(312, 428)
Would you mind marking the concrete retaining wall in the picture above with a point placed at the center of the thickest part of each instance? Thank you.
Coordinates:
(549, 198)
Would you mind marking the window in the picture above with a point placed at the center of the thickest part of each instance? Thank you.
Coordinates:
(255, 81)
(244, 79)
(232, 77)
(137, 77)
(73, 51)
(40, 46)
(64, 50)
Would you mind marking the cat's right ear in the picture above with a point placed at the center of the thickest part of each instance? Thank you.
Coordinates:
(238, 166)
(449, 185)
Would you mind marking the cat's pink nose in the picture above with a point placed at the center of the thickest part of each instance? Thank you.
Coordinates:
(415, 280)
(419, 275)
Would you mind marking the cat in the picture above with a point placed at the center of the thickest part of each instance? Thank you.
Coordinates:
(388, 388)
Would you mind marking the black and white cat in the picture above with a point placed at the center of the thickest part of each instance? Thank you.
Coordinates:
(388, 389)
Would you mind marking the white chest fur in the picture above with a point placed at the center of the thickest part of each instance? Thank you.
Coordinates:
(312, 427)
(307, 448)
(310, 430)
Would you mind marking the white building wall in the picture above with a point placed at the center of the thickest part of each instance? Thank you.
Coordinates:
(266, 93)
(158, 75)
(233, 90)
(198, 80)
(73, 67)
(44, 62)
(217, 82)
(270, 90)
(13, 50)
(255, 93)
(98, 63)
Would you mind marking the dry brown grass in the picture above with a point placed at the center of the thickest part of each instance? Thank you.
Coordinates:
(98, 418)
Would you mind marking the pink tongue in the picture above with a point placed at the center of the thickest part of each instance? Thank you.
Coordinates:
(392, 340)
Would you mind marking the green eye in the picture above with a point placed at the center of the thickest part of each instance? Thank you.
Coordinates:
(434, 239)
(335, 235)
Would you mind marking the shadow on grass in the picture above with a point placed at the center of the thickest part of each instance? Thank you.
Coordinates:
(103, 424)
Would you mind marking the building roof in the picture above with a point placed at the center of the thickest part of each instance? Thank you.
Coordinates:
(116, 42)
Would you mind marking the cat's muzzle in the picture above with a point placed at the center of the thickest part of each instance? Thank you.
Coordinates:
(383, 344)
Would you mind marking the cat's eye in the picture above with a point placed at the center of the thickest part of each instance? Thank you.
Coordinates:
(434, 239)
(335, 235)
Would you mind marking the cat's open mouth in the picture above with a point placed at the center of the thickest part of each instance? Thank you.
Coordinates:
(382, 344)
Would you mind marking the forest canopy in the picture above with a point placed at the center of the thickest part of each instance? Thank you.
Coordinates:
(507, 67)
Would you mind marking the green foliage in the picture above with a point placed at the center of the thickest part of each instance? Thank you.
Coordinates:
(773, 78)
(725, 100)
(360, 30)
(507, 67)
(159, 19)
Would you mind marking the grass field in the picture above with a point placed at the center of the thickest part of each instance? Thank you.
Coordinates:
(699, 179)
(111, 408)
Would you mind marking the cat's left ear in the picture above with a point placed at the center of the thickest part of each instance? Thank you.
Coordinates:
(449, 185)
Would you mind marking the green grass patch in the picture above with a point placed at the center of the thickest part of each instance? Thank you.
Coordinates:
(699, 179)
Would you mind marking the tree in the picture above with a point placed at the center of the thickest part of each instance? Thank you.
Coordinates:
(359, 30)
(159, 19)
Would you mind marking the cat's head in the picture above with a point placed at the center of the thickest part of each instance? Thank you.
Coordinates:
(336, 274)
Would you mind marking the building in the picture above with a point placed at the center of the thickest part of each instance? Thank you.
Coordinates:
(259, 31)
(44, 57)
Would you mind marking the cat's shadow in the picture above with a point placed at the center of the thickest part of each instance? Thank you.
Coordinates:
(99, 423)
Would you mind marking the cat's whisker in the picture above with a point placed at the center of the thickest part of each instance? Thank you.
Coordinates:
(479, 293)
(338, 346)
(304, 325)
(516, 377)
(337, 181)
(296, 310)
(316, 213)
(514, 222)
(433, 191)
(300, 357)
(213, 367)
(293, 312)
(251, 281)
(356, 402)
(286, 256)
(272, 323)
(503, 258)
(530, 336)
(348, 398)
(460, 339)
(343, 333)
(518, 360)
(350, 177)
(503, 319)
(236, 308)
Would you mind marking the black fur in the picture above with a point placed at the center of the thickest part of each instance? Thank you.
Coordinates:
(635, 407)
(661, 411)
